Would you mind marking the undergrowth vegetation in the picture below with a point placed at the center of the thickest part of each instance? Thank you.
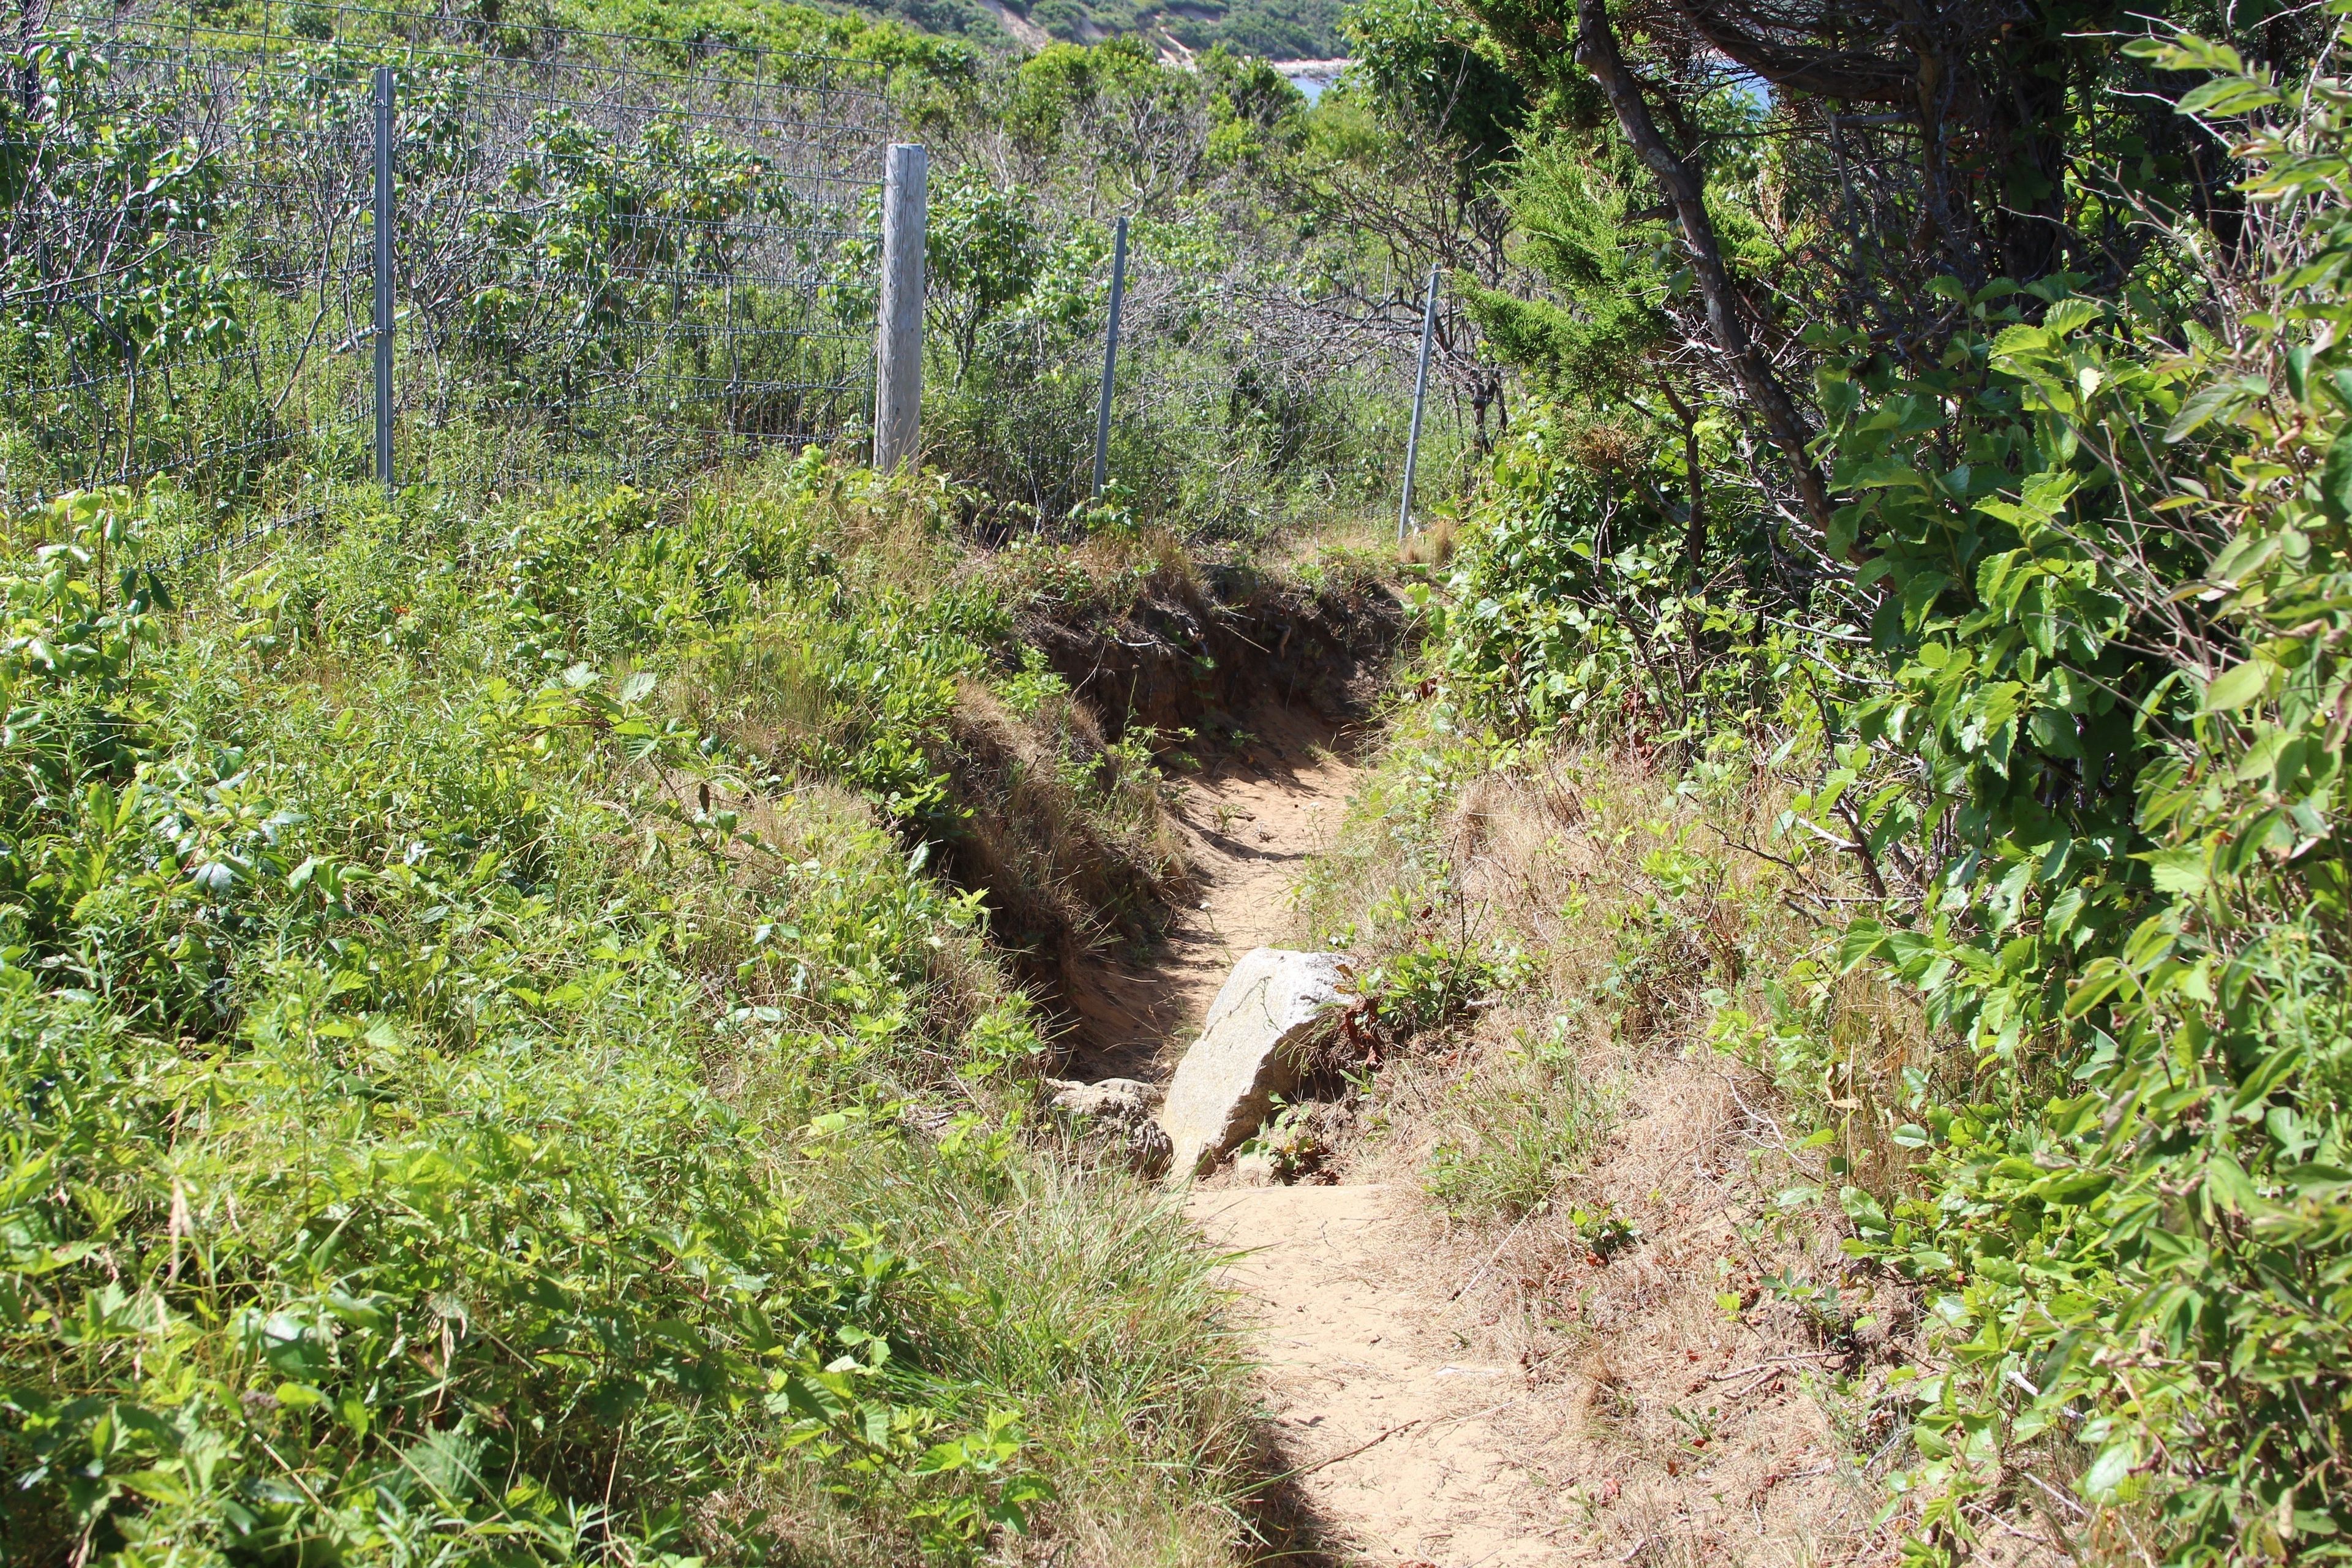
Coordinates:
(510, 1042)
(1583, 909)
(1989, 785)
(463, 988)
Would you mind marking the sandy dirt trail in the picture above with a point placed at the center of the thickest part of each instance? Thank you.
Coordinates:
(1406, 1429)
(1397, 1447)
(1404, 1448)
(1250, 825)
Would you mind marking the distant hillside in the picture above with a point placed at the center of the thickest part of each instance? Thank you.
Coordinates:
(1276, 30)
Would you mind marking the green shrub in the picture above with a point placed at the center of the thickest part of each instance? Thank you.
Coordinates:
(2083, 750)
(447, 1110)
(2136, 1229)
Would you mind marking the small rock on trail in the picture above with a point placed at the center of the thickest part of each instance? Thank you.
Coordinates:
(1120, 1107)
(1249, 823)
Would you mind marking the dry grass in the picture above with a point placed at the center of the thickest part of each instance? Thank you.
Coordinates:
(1106, 573)
(1430, 545)
(1620, 1200)
(1153, 560)
(1643, 925)
(1108, 1338)
(1149, 1418)
(1070, 834)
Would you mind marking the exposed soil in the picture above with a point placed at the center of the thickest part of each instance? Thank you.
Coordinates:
(1436, 1399)
(1440, 1398)
(1401, 1447)
(1249, 821)
(1025, 33)
(1245, 687)
(1191, 653)
(1255, 690)
(1396, 1444)
(1437, 1404)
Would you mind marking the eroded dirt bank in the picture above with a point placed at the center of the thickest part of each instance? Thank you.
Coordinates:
(1248, 823)
(1250, 689)
(1440, 1395)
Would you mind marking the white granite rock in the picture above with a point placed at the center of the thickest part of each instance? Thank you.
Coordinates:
(1248, 1052)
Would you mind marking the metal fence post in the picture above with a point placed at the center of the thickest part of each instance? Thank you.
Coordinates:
(899, 327)
(1420, 388)
(384, 220)
(1111, 357)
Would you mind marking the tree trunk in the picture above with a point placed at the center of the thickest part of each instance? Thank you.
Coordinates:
(1596, 51)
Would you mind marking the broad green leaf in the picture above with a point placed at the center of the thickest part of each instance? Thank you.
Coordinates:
(2067, 315)
(1880, 473)
(2182, 870)
(2215, 402)
(1863, 1210)
(2227, 1182)
(2230, 95)
(2235, 687)
(2335, 478)
(2109, 1470)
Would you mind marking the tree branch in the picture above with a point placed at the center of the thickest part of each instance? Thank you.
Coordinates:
(1597, 52)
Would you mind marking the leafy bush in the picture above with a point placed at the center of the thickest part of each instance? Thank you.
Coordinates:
(2121, 671)
(2080, 738)
(445, 1106)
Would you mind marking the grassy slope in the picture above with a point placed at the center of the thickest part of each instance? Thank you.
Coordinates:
(455, 1025)
(1275, 29)
(1629, 1075)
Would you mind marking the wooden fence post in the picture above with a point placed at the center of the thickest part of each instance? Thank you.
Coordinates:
(899, 326)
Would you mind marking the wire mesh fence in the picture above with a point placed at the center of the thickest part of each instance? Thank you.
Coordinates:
(603, 260)
(1239, 397)
(600, 266)
(1315, 398)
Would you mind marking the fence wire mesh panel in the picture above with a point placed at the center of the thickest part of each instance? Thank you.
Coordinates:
(603, 265)
(184, 248)
(1305, 396)
(611, 269)
(1314, 399)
